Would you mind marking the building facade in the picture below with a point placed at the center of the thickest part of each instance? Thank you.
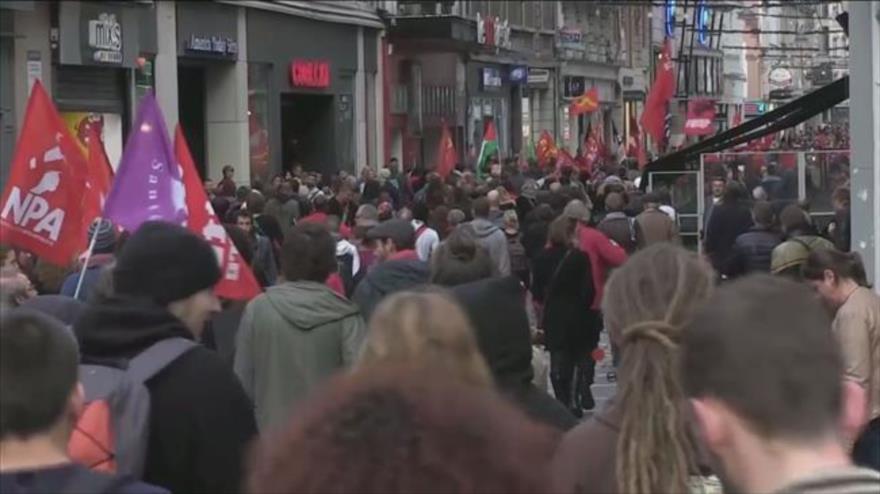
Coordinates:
(258, 85)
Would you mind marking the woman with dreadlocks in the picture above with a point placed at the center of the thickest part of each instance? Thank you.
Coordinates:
(642, 441)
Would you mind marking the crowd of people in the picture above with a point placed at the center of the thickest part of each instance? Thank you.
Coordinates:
(398, 344)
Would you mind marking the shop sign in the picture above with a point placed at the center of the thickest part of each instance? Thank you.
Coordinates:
(570, 39)
(669, 18)
(310, 73)
(538, 77)
(518, 74)
(700, 117)
(703, 20)
(490, 78)
(105, 38)
(780, 77)
(215, 44)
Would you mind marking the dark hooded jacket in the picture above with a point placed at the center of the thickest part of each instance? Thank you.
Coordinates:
(496, 308)
(386, 278)
(201, 420)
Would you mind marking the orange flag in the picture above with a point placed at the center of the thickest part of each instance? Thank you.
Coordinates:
(446, 155)
(585, 103)
(98, 184)
(546, 149)
(43, 198)
(238, 281)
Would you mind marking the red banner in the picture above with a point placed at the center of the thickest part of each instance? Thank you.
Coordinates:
(700, 117)
(238, 281)
(42, 203)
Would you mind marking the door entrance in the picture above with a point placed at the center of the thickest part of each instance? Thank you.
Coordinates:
(191, 109)
(307, 131)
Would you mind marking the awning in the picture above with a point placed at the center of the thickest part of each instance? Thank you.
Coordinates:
(785, 116)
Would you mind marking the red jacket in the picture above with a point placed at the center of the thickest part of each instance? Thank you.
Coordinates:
(604, 255)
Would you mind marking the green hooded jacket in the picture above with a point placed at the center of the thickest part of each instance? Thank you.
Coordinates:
(290, 339)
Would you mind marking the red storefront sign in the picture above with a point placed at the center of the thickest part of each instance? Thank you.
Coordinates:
(310, 73)
(700, 117)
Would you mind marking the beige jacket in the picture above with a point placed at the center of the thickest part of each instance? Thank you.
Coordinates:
(857, 326)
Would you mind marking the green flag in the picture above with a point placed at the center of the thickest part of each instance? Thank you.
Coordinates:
(488, 149)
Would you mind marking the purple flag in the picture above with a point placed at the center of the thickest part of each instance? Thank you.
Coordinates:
(148, 182)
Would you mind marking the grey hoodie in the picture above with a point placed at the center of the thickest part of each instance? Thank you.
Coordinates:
(291, 338)
(494, 241)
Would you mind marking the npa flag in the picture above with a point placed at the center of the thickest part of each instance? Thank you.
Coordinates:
(585, 103)
(42, 203)
(636, 147)
(446, 155)
(238, 281)
(546, 150)
(657, 103)
(488, 148)
(100, 173)
(147, 184)
(700, 117)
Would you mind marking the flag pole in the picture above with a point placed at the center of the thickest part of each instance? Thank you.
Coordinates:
(85, 265)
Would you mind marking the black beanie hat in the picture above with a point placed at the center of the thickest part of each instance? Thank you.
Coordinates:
(165, 262)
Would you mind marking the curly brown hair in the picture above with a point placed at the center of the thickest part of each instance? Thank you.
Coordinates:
(399, 430)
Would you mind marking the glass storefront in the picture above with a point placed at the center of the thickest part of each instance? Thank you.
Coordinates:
(258, 119)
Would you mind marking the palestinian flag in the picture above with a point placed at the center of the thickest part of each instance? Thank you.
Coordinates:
(488, 149)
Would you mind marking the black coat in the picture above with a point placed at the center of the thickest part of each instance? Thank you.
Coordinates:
(752, 252)
(386, 278)
(728, 221)
(201, 420)
(567, 282)
(496, 308)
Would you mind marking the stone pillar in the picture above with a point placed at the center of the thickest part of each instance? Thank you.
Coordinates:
(166, 61)
(226, 108)
(32, 38)
(360, 107)
(864, 127)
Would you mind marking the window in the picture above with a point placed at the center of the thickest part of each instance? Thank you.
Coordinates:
(548, 15)
(496, 9)
(515, 12)
(531, 14)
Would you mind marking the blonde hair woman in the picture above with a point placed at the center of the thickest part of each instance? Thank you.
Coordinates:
(428, 329)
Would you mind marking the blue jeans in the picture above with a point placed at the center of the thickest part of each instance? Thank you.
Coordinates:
(866, 452)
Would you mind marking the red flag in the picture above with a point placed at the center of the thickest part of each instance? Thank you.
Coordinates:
(238, 282)
(42, 203)
(656, 104)
(446, 155)
(563, 158)
(641, 156)
(585, 103)
(546, 149)
(100, 173)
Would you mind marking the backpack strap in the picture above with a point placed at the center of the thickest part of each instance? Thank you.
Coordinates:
(149, 362)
